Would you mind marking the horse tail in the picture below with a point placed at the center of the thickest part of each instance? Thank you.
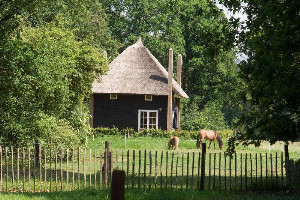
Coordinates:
(219, 140)
(219, 137)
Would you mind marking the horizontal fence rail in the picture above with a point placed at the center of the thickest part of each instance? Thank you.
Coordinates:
(53, 169)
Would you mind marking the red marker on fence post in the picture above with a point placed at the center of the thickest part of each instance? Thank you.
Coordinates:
(118, 185)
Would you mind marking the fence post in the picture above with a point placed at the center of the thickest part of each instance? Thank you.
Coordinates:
(118, 185)
(287, 167)
(202, 181)
(0, 168)
(106, 163)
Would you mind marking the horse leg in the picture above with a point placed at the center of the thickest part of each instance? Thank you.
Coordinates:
(209, 145)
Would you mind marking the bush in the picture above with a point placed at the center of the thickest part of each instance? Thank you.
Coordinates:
(185, 134)
(210, 117)
(56, 131)
(103, 131)
(225, 133)
(128, 131)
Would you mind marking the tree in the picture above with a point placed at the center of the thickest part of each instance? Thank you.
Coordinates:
(157, 22)
(45, 73)
(48, 62)
(198, 30)
(271, 40)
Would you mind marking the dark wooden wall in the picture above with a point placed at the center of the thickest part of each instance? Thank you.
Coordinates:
(123, 112)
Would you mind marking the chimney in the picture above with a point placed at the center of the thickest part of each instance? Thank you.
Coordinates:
(179, 67)
(170, 77)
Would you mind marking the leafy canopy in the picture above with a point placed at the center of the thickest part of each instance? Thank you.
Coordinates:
(48, 65)
(271, 40)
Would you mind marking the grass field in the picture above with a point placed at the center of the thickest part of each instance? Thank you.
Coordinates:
(145, 195)
(159, 144)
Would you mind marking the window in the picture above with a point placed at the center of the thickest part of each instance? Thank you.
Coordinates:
(148, 97)
(148, 119)
(113, 96)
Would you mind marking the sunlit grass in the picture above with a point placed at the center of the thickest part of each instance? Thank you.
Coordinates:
(160, 144)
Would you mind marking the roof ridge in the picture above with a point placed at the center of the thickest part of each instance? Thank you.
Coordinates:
(138, 43)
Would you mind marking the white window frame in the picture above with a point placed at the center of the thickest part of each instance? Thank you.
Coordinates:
(148, 99)
(148, 115)
(113, 96)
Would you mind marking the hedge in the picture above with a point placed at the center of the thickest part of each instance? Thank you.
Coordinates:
(103, 131)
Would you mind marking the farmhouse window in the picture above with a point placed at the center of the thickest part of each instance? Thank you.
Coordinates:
(148, 97)
(148, 119)
(113, 96)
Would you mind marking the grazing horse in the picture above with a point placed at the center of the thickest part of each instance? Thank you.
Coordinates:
(211, 135)
(173, 142)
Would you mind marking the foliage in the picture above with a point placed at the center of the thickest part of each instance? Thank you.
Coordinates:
(210, 71)
(157, 22)
(270, 39)
(231, 147)
(103, 131)
(186, 134)
(210, 117)
(226, 133)
(46, 73)
(86, 18)
(58, 132)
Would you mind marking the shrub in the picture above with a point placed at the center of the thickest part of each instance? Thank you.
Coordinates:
(102, 131)
(210, 117)
(128, 131)
(225, 133)
(56, 131)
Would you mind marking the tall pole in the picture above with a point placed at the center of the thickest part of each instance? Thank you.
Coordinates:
(170, 77)
(179, 68)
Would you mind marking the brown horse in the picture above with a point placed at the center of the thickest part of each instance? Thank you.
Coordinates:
(211, 135)
(173, 142)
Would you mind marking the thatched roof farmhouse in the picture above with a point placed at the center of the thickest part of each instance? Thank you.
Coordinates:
(134, 92)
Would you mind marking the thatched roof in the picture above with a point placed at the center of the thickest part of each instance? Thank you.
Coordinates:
(136, 71)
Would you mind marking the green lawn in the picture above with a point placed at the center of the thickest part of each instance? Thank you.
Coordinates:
(159, 144)
(144, 195)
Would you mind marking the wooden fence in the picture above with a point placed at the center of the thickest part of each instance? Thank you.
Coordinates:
(53, 169)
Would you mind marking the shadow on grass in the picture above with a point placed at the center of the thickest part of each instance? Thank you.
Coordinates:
(77, 194)
(142, 182)
(135, 194)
